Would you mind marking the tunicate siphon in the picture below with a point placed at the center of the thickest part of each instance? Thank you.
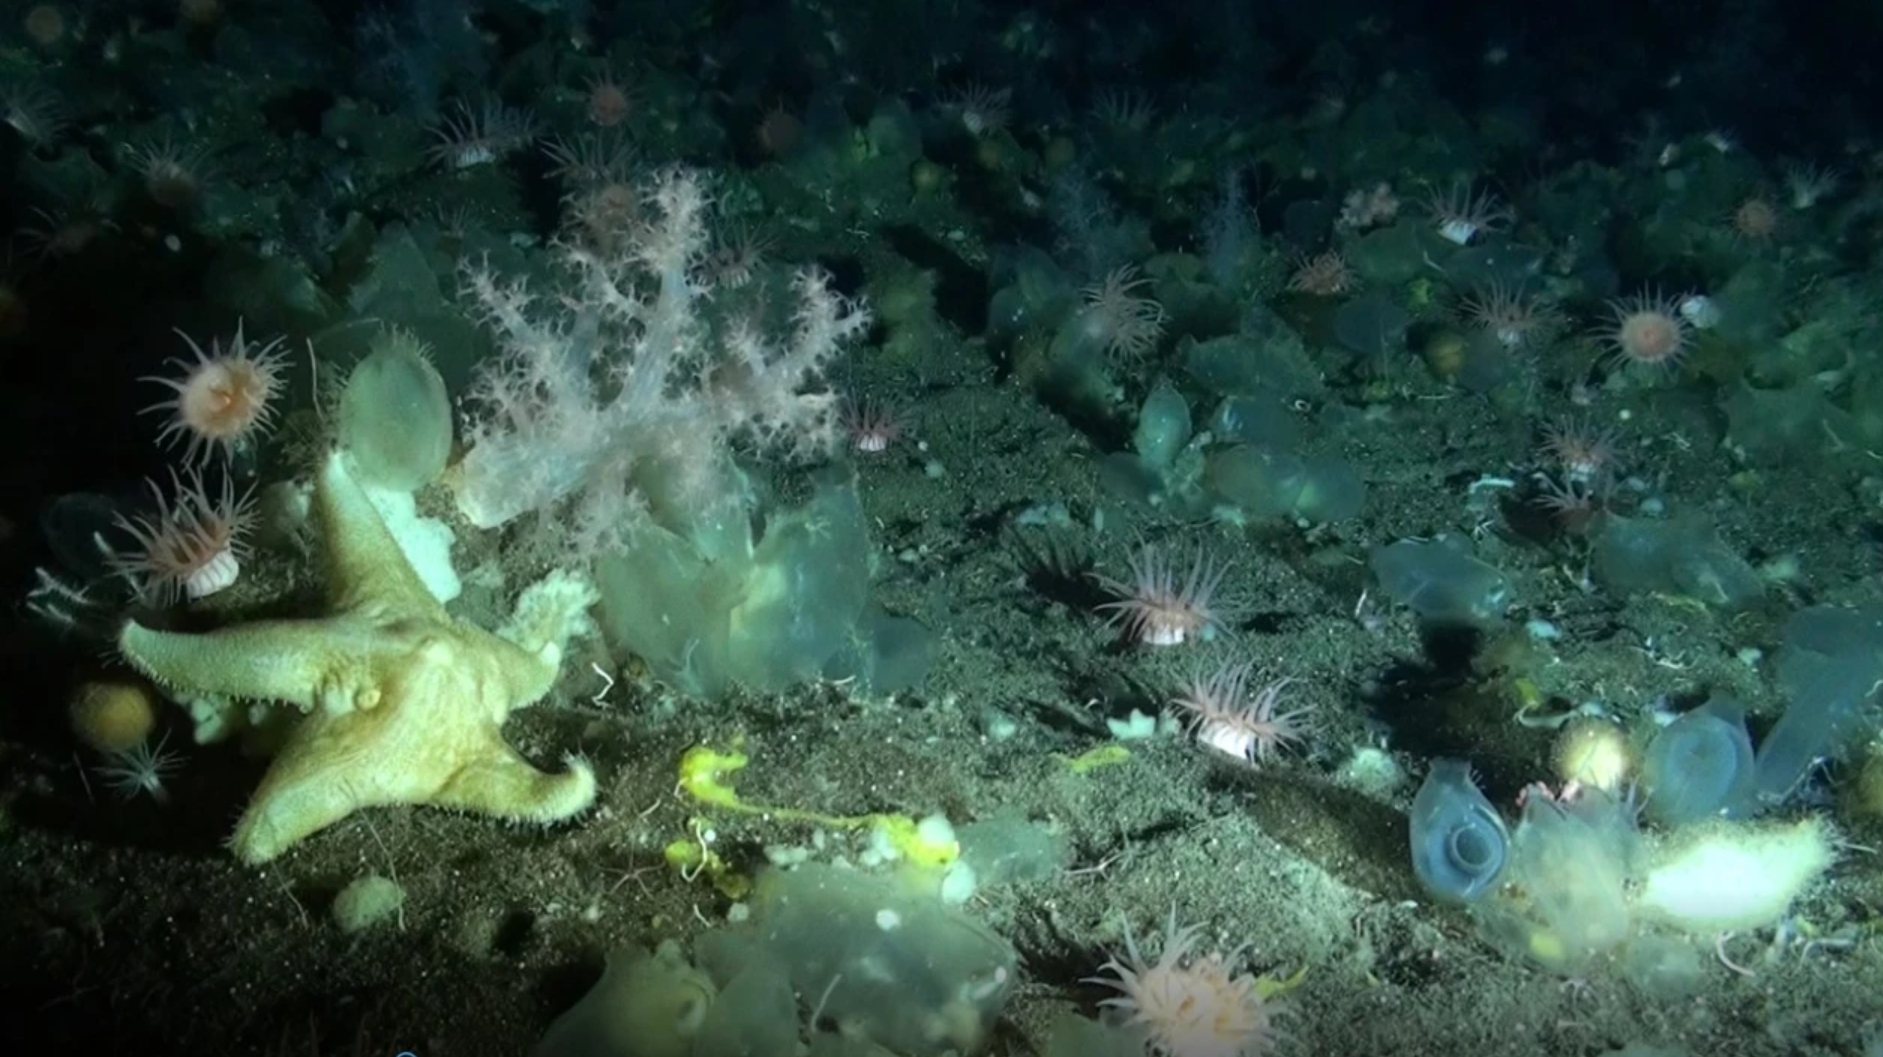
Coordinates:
(1459, 841)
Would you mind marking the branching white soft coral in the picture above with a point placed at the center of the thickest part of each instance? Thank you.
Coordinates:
(624, 373)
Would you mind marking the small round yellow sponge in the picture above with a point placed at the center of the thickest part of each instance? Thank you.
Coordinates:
(1593, 752)
(113, 713)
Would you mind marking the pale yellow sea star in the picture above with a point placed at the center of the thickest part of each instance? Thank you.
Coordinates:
(404, 702)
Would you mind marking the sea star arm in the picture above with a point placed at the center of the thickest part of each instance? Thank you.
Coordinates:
(283, 812)
(338, 765)
(499, 782)
(366, 569)
(308, 663)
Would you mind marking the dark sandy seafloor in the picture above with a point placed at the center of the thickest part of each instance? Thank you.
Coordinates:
(131, 930)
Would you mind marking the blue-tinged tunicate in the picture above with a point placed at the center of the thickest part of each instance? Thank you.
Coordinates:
(893, 133)
(891, 963)
(1492, 262)
(1330, 490)
(1267, 483)
(1459, 842)
(1699, 765)
(1125, 476)
(1255, 479)
(1830, 669)
(1036, 289)
(1266, 360)
(1262, 422)
(1371, 325)
(883, 654)
(643, 1004)
(1682, 555)
(1441, 583)
(763, 616)
(76, 527)
(808, 585)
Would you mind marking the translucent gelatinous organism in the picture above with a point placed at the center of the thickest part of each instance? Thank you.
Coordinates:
(1699, 765)
(1682, 555)
(395, 416)
(1562, 901)
(1267, 483)
(1163, 427)
(1371, 325)
(1441, 583)
(1459, 841)
(1830, 669)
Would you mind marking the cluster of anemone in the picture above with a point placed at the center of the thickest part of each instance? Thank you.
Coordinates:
(1165, 604)
(1649, 330)
(190, 544)
(1581, 475)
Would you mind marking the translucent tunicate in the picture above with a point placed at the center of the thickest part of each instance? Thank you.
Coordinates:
(1682, 555)
(1266, 360)
(1441, 583)
(1493, 261)
(764, 619)
(1256, 421)
(1371, 325)
(82, 528)
(1163, 427)
(1267, 483)
(1698, 765)
(395, 417)
(890, 964)
(1562, 900)
(1830, 670)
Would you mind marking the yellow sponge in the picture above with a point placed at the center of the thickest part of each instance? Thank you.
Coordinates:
(113, 713)
(1730, 876)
